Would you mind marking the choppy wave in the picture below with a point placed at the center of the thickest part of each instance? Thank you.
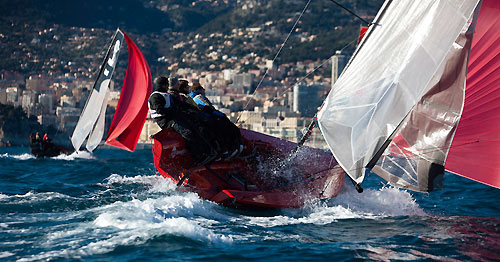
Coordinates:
(106, 209)
(32, 197)
(133, 222)
(349, 204)
(72, 156)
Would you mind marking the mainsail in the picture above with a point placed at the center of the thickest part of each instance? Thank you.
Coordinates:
(388, 90)
(131, 111)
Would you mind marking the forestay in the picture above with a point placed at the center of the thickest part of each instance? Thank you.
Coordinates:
(392, 70)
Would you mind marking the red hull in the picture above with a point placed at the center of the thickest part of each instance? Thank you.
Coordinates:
(249, 180)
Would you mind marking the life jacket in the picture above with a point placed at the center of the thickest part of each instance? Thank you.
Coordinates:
(168, 103)
(202, 101)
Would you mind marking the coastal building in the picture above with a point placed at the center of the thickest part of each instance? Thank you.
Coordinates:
(46, 102)
(242, 82)
(47, 120)
(28, 101)
(339, 61)
(67, 117)
(67, 101)
(12, 94)
(36, 83)
(306, 99)
(3, 96)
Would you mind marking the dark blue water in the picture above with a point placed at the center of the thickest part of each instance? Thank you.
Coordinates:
(112, 206)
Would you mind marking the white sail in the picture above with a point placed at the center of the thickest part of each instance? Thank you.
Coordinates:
(95, 108)
(89, 116)
(97, 133)
(389, 74)
(416, 156)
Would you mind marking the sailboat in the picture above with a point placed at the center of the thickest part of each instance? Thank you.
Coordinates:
(132, 108)
(419, 96)
(250, 181)
(403, 108)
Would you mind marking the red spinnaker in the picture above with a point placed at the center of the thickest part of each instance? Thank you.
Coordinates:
(132, 108)
(475, 151)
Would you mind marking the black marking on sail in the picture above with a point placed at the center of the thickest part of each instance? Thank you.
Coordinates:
(109, 63)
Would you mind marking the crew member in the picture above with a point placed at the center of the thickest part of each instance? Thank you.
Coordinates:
(230, 133)
(184, 91)
(169, 110)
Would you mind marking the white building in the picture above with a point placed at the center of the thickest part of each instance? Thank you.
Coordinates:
(339, 61)
(46, 102)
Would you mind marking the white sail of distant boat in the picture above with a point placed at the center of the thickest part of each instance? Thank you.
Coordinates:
(90, 125)
(396, 107)
(132, 109)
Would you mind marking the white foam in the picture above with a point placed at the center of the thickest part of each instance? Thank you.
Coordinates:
(383, 202)
(75, 155)
(168, 212)
(5, 254)
(31, 197)
(157, 182)
(371, 204)
(135, 222)
(24, 156)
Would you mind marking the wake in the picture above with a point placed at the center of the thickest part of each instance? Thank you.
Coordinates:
(25, 156)
(75, 155)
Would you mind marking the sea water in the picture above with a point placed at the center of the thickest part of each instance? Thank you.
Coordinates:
(111, 205)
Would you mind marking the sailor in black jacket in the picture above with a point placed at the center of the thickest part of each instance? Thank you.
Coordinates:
(160, 103)
(169, 110)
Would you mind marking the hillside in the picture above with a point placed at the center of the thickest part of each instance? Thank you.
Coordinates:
(177, 31)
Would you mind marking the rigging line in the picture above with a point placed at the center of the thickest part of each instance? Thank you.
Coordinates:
(314, 70)
(276, 56)
(352, 13)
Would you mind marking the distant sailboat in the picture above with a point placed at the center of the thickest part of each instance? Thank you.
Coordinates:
(398, 109)
(131, 112)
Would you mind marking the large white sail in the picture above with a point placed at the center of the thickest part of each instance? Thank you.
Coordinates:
(96, 103)
(389, 74)
(416, 156)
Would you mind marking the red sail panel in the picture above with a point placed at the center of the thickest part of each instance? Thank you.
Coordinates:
(475, 151)
(132, 108)
(362, 32)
